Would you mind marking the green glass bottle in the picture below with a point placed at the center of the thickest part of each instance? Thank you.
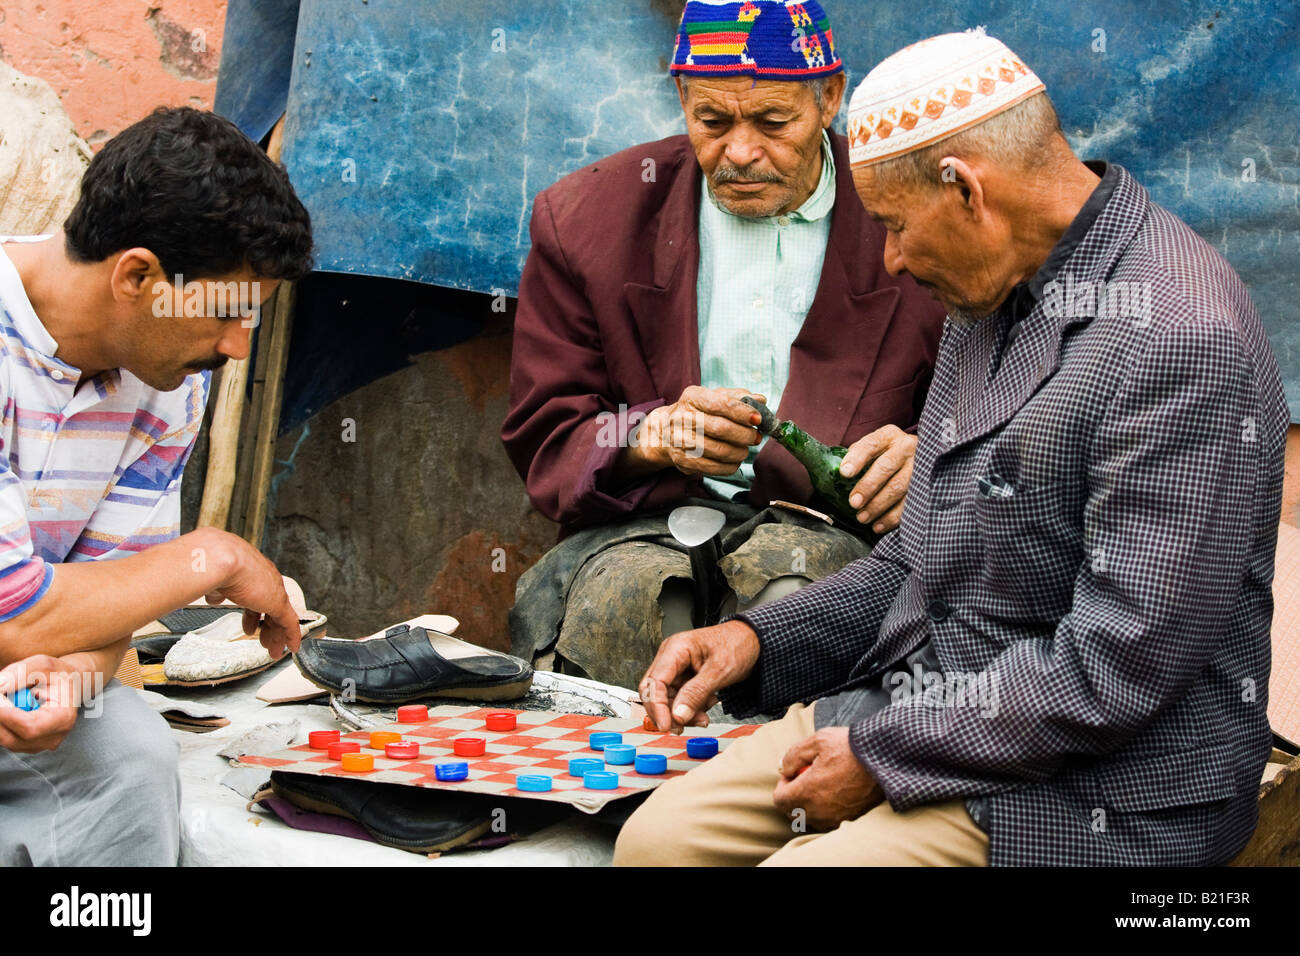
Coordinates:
(821, 461)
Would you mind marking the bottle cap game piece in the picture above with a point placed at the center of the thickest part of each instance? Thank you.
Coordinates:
(701, 748)
(24, 699)
(651, 764)
(337, 750)
(402, 750)
(649, 724)
(451, 770)
(469, 746)
(358, 762)
(321, 739)
(600, 780)
(501, 720)
(533, 782)
(379, 739)
(412, 714)
(619, 754)
(602, 740)
(580, 765)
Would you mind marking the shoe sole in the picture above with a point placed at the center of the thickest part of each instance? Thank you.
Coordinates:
(511, 691)
(320, 806)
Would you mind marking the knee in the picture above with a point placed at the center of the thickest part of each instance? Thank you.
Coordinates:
(643, 840)
(136, 747)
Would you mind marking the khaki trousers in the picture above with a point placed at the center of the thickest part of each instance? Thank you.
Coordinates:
(721, 814)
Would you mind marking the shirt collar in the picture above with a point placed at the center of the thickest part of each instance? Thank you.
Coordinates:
(1027, 293)
(26, 322)
(815, 207)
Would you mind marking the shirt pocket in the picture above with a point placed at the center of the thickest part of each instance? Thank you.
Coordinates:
(1030, 551)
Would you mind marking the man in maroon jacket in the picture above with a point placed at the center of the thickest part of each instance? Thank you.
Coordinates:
(667, 282)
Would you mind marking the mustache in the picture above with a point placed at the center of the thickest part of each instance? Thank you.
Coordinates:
(208, 364)
(731, 174)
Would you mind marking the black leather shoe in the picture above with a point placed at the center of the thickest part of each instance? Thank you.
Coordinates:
(412, 663)
(409, 818)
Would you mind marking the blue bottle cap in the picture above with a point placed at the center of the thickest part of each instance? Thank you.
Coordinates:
(701, 748)
(580, 765)
(24, 699)
(533, 782)
(619, 754)
(600, 780)
(651, 764)
(452, 770)
(602, 740)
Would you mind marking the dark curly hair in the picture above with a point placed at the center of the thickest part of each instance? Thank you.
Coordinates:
(200, 195)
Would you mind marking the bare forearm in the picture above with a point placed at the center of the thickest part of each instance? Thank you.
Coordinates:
(97, 667)
(90, 605)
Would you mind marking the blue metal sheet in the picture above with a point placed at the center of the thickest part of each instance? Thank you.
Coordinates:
(420, 131)
(256, 56)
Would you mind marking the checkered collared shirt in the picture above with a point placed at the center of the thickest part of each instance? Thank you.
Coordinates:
(1088, 542)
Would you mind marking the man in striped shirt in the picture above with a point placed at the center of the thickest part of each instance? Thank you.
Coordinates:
(108, 335)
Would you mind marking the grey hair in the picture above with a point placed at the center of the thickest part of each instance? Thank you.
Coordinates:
(817, 85)
(1017, 138)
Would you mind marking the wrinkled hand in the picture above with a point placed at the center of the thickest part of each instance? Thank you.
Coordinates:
(821, 776)
(255, 585)
(691, 667)
(705, 432)
(57, 685)
(881, 492)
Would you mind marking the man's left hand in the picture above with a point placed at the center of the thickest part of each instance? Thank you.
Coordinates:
(881, 490)
(821, 776)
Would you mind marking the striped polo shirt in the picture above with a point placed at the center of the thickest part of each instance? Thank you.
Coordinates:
(86, 473)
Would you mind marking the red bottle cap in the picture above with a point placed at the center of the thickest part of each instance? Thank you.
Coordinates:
(501, 720)
(469, 746)
(337, 750)
(402, 750)
(412, 714)
(321, 739)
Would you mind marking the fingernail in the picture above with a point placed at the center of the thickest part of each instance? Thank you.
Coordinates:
(879, 527)
(855, 501)
(682, 713)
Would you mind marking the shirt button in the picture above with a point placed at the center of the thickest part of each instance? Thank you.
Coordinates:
(937, 610)
(56, 375)
(758, 303)
(783, 221)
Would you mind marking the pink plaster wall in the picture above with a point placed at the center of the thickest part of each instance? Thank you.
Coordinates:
(112, 61)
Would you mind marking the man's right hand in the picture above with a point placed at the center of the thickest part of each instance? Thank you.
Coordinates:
(59, 690)
(708, 431)
(691, 667)
(255, 585)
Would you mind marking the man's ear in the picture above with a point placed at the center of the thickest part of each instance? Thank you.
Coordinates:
(134, 275)
(964, 180)
(681, 93)
(832, 96)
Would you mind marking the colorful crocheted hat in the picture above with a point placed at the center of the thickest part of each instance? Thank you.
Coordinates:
(765, 39)
(933, 89)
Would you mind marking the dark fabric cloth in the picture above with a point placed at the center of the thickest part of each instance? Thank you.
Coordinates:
(1094, 529)
(542, 593)
(607, 329)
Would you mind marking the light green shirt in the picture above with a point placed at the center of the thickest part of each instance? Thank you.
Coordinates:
(756, 281)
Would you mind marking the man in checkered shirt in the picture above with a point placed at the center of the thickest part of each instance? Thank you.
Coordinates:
(1062, 654)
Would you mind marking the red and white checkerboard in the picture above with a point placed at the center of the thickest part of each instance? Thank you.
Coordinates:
(542, 743)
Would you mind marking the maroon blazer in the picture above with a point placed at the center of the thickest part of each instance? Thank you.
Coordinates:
(607, 318)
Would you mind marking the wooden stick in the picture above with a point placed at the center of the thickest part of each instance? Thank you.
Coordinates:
(269, 414)
(223, 444)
